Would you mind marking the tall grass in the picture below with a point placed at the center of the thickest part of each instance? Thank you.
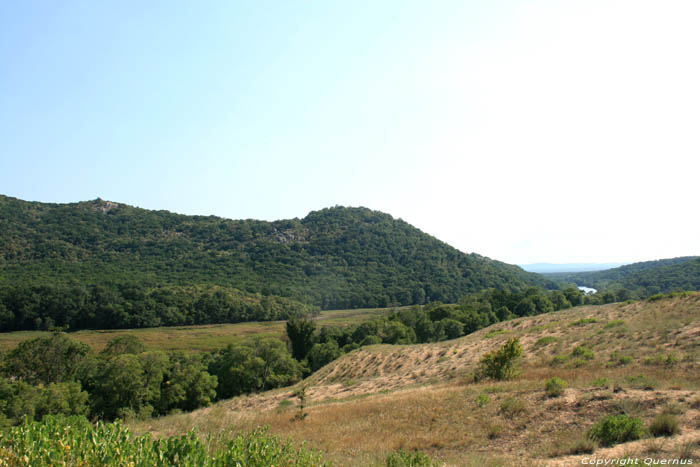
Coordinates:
(74, 441)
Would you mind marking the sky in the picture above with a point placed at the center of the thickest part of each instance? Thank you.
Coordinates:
(525, 131)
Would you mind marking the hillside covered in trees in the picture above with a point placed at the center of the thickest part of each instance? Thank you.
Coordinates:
(333, 258)
(641, 279)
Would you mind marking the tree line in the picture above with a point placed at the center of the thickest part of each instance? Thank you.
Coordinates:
(57, 375)
(134, 305)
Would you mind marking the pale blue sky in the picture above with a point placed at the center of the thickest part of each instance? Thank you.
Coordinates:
(522, 130)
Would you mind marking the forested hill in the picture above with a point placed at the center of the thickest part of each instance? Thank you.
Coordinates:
(644, 278)
(334, 258)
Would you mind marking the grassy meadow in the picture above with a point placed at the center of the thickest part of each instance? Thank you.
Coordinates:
(197, 338)
(638, 358)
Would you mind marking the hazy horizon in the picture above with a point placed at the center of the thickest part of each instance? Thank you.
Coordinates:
(522, 131)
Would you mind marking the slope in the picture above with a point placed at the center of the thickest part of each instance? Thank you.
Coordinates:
(640, 358)
(334, 258)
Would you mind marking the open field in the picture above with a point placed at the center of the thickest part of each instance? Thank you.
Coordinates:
(197, 338)
(638, 358)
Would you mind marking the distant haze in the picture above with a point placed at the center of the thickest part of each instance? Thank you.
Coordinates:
(568, 267)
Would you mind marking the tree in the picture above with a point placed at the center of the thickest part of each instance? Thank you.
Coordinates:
(186, 384)
(127, 344)
(120, 387)
(300, 332)
(46, 360)
(322, 354)
(451, 328)
(574, 296)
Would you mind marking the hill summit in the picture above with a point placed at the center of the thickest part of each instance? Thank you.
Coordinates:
(338, 257)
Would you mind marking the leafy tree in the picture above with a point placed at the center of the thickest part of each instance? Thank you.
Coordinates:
(574, 296)
(120, 389)
(186, 385)
(300, 332)
(126, 344)
(322, 354)
(395, 332)
(450, 328)
(52, 359)
(62, 399)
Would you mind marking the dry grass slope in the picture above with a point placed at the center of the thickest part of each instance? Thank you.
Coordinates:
(638, 358)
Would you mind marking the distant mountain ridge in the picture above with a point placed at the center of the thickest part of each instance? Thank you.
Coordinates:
(335, 258)
(644, 278)
(544, 268)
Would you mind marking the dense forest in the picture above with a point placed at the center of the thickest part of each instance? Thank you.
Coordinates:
(334, 258)
(642, 279)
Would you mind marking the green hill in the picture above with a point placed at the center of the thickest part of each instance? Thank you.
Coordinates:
(333, 258)
(644, 279)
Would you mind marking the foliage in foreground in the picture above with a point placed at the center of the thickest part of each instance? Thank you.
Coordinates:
(406, 459)
(73, 441)
(617, 429)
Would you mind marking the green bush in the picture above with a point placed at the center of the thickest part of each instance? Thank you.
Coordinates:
(406, 459)
(502, 363)
(614, 323)
(664, 425)
(482, 400)
(558, 360)
(616, 429)
(541, 342)
(583, 352)
(554, 387)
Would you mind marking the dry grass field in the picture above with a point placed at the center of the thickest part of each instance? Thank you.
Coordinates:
(639, 358)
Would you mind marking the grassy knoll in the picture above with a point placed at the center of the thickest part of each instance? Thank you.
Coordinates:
(640, 359)
(197, 338)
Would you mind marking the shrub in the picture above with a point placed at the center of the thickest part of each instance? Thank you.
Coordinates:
(616, 429)
(482, 400)
(406, 459)
(601, 382)
(614, 323)
(625, 360)
(584, 321)
(554, 387)
(583, 352)
(558, 360)
(502, 363)
(511, 407)
(541, 342)
(664, 425)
